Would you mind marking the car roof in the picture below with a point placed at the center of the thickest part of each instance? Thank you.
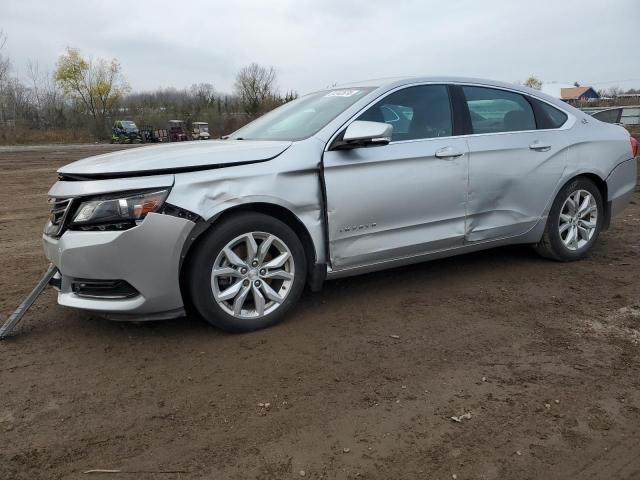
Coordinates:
(390, 83)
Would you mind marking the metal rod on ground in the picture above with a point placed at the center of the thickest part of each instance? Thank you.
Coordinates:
(17, 315)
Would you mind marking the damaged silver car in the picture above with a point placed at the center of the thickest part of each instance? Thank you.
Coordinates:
(339, 182)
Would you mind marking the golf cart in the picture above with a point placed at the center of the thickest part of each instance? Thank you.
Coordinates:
(200, 131)
(177, 131)
(148, 134)
(125, 131)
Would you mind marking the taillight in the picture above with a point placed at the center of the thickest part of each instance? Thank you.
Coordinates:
(634, 146)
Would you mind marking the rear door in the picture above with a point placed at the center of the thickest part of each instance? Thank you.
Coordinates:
(517, 156)
(405, 198)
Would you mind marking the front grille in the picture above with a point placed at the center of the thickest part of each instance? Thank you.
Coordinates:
(58, 216)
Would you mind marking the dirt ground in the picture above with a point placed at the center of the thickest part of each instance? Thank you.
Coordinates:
(360, 382)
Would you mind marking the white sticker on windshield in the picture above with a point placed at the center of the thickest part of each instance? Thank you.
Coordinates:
(342, 93)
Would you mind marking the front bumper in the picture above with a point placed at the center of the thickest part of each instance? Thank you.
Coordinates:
(146, 256)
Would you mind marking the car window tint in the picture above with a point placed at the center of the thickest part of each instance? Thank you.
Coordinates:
(414, 112)
(494, 111)
(609, 116)
(554, 118)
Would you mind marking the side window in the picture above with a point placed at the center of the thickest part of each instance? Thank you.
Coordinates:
(609, 116)
(494, 111)
(548, 116)
(415, 112)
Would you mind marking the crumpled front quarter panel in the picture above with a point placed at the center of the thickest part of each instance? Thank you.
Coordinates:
(291, 181)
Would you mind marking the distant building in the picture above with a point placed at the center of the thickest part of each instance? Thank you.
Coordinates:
(570, 93)
(578, 94)
(629, 95)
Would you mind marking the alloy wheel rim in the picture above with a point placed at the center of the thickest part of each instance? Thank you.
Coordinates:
(252, 275)
(578, 219)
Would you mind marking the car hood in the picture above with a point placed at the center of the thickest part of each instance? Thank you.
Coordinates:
(174, 158)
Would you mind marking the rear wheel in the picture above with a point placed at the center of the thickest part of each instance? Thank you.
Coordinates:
(247, 272)
(574, 222)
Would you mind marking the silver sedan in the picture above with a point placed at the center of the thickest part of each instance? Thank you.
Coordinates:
(342, 181)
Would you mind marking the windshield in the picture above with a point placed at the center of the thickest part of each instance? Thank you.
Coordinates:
(301, 118)
(200, 127)
(128, 125)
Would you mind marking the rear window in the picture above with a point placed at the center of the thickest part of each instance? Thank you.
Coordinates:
(494, 111)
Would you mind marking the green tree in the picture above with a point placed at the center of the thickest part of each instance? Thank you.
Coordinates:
(533, 82)
(96, 86)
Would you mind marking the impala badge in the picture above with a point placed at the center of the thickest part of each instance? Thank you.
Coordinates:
(353, 228)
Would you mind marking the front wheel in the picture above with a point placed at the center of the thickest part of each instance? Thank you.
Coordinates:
(574, 222)
(247, 272)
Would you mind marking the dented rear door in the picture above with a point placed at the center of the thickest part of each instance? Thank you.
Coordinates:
(512, 178)
(514, 167)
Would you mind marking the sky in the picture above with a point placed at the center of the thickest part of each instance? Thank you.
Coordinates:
(315, 44)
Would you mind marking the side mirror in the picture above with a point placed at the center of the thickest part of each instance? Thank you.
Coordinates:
(364, 134)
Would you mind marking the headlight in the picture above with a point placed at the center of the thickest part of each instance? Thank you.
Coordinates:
(117, 211)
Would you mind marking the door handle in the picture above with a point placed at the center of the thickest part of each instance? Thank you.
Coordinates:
(539, 146)
(448, 153)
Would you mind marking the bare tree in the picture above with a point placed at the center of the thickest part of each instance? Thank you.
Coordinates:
(204, 95)
(5, 64)
(46, 97)
(614, 92)
(533, 82)
(14, 95)
(256, 87)
(5, 68)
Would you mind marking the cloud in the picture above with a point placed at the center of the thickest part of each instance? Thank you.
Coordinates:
(314, 43)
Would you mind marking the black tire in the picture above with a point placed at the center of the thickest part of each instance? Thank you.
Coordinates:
(202, 260)
(551, 245)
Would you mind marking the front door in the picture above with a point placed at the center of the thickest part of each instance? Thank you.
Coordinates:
(403, 199)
